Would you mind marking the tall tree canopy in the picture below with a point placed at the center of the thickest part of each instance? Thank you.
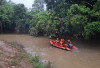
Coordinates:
(76, 18)
(38, 5)
(2, 2)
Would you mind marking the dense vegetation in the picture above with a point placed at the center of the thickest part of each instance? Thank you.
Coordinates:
(77, 18)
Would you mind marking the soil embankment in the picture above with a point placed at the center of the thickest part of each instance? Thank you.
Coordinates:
(13, 56)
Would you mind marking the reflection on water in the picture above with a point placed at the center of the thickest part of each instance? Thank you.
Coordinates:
(88, 55)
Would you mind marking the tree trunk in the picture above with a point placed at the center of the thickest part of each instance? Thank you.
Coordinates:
(0, 27)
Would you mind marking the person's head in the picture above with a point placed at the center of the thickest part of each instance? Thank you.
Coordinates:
(57, 38)
(68, 40)
(62, 39)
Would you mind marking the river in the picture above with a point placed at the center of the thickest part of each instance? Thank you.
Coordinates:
(88, 55)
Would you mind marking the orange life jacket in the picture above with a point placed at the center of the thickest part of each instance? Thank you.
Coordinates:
(57, 42)
(61, 44)
(69, 42)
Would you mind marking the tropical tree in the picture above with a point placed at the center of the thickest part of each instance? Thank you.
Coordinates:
(38, 5)
(2, 2)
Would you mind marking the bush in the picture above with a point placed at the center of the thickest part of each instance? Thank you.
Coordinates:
(78, 22)
(91, 29)
(77, 18)
(33, 31)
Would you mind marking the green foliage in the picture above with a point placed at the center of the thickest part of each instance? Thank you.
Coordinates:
(33, 31)
(78, 22)
(22, 27)
(35, 61)
(78, 9)
(51, 28)
(3, 18)
(77, 18)
(20, 19)
(44, 24)
(63, 18)
(3, 13)
(2, 2)
(91, 29)
(38, 65)
(60, 7)
(20, 10)
(38, 5)
(74, 22)
(97, 5)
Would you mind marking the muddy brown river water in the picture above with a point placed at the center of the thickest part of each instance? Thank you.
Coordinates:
(88, 55)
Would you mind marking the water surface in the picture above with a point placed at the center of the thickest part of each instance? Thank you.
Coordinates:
(88, 55)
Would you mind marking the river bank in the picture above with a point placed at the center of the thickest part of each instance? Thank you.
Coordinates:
(12, 56)
(88, 55)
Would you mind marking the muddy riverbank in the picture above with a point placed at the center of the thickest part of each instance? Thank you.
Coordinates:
(13, 56)
(88, 55)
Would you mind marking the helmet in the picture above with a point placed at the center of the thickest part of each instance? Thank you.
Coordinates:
(68, 40)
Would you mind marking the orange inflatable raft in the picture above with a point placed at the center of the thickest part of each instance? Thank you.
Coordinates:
(62, 45)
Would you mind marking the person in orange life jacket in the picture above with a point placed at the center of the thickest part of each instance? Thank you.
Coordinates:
(70, 43)
(64, 45)
(61, 42)
(57, 42)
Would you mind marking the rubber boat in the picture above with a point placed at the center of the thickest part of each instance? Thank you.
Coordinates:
(64, 46)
